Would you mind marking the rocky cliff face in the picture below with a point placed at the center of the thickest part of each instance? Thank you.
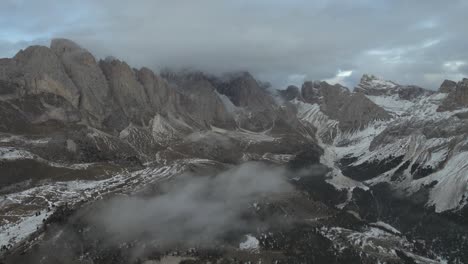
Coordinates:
(65, 85)
(95, 95)
(457, 95)
(373, 86)
(127, 91)
(447, 86)
(245, 92)
(292, 92)
(352, 110)
(37, 70)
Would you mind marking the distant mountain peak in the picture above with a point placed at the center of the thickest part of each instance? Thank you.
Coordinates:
(370, 81)
(60, 45)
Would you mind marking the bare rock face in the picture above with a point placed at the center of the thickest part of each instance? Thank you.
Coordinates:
(7, 69)
(193, 88)
(352, 110)
(447, 86)
(374, 86)
(244, 91)
(292, 92)
(334, 98)
(37, 69)
(359, 111)
(127, 91)
(457, 97)
(96, 102)
(159, 93)
(461, 92)
(311, 92)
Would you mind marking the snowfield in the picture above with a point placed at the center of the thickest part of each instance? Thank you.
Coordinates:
(18, 213)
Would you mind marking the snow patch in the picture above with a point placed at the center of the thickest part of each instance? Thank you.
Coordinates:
(386, 227)
(392, 103)
(250, 244)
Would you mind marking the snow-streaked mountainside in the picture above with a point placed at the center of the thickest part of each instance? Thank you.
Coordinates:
(426, 146)
(374, 174)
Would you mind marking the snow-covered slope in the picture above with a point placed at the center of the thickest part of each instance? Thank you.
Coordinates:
(418, 147)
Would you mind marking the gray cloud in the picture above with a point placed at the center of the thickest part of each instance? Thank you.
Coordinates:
(191, 209)
(464, 70)
(406, 41)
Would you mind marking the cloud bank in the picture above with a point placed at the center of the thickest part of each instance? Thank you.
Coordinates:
(280, 41)
(191, 210)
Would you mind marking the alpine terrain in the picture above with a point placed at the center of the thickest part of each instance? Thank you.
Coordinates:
(104, 163)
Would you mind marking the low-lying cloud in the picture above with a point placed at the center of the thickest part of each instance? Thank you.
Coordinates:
(191, 209)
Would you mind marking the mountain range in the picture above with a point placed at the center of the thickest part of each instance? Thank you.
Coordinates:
(380, 172)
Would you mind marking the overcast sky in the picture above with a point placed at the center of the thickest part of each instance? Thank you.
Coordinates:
(411, 42)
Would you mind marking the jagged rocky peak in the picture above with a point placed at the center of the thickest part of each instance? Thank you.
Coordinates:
(375, 86)
(447, 86)
(61, 45)
(353, 110)
(37, 69)
(321, 92)
(290, 93)
(370, 83)
(202, 103)
(128, 92)
(96, 103)
(311, 91)
(245, 91)
(191, 81)
(157, 88)
(457, 96)
(368, 77)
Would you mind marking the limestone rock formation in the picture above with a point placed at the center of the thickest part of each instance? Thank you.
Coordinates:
(96, 102)
(193, 88)
(457, 96)
(374, 86)
(245, 92)
(127, 91)
(38, 69)
(461, 92)
(292, 92)
(353, 110)
(447, 86)
(160, 95)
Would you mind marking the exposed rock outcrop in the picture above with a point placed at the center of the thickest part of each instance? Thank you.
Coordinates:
(160, 95)
(127, 91)
(447, 86)
(457, 97)
(38, 69)
(374, 86)
(352, 110)
(292, 92)
(193, 88)
(244, 91)
(96, 102)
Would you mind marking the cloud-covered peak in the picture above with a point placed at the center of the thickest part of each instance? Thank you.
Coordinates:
(283, 42)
